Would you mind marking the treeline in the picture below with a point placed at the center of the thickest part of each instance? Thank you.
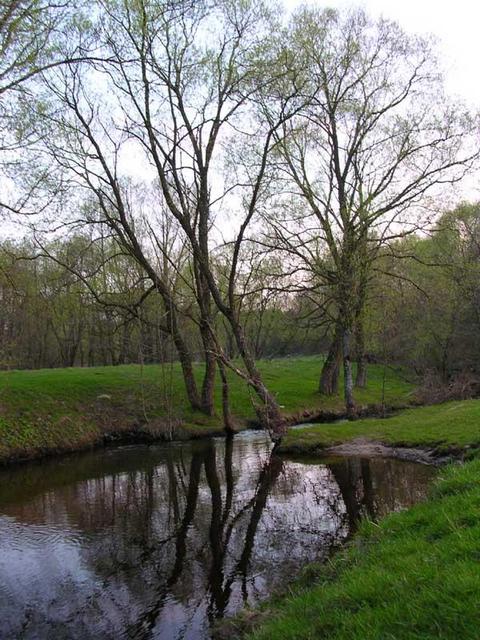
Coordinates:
(246, 184)
(82, 303)
(429, 304)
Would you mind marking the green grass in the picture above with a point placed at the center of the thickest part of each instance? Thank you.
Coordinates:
(66, 409)
(413, 576)
(448, 426)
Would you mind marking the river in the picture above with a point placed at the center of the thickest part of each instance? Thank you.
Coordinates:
(158, 542)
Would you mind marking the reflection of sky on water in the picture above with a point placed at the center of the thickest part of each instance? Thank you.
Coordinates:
(157, 542)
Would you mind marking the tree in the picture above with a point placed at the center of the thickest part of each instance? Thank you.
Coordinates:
(376, 135)
(175, 95)
(200, 94)
(30, 34)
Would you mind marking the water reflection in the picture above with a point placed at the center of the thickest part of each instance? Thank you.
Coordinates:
(157, 542)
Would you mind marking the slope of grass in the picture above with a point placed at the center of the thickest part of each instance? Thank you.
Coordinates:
(65, 409)
(446, 427)
(413, 576)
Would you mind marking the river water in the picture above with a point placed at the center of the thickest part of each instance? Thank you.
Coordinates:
(157, 542)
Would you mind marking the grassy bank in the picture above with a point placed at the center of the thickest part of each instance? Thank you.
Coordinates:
(55, 410)
(452, 426)
(414, 575)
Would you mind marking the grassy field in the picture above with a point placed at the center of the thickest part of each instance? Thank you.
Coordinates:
(53, 410)
(413, 576)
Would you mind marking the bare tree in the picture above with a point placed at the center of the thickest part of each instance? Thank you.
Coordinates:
(184, 77)
(376, 136)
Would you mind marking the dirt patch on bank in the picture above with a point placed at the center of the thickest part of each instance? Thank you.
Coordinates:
(363, 448)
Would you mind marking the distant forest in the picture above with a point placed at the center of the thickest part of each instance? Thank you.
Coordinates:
(85, 303)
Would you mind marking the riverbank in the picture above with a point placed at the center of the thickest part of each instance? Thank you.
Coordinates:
(451, 428)
(51, 411)
(412, 575)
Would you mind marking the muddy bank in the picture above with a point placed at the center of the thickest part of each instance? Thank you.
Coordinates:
(107, 427)
(362, 447)
(366, 448)
(315, 416)
(98, 437)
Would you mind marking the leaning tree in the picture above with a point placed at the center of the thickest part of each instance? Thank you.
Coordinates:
(176, 95)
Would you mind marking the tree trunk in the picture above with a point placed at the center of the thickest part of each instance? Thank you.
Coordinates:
(188, 375)
(208, 339)
(172, 327)
(347, 373)
(208, 385)
(227, 417)
(122, 357)
(331, 369)
(183, 352)
(361, 376)
(268, 413)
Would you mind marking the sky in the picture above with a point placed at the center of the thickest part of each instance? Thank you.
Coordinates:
(455, 24)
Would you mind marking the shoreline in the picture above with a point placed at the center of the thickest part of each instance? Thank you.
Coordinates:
(424, 557)
(157, 431)
(47, 412)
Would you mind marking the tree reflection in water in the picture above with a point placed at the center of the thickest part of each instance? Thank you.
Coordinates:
(158, 542)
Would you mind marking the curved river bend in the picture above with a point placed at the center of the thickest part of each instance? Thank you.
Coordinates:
(158, 542)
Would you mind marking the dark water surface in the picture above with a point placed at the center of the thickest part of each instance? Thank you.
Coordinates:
(157, 542)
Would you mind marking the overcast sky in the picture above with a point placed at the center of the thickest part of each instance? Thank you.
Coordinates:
(455, 24)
